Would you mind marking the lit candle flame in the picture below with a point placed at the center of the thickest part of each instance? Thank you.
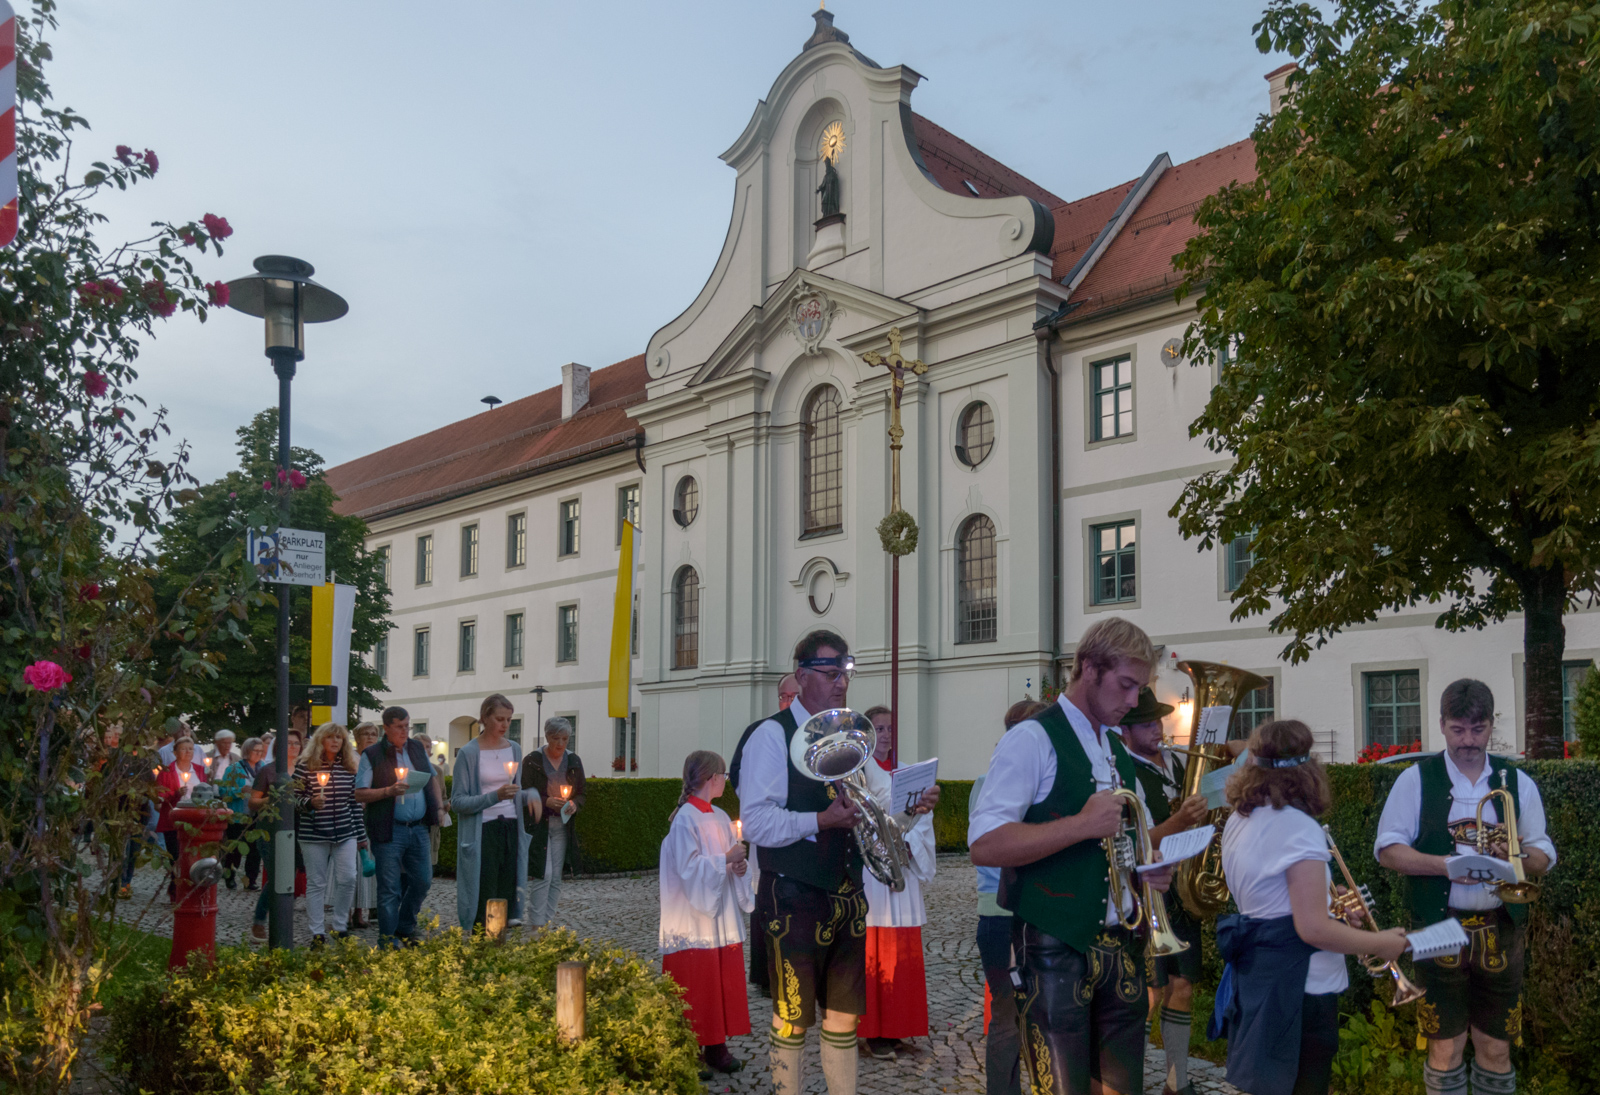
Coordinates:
(565, 791)
(322, 778)
(738, 828)
(400, 774)
(184, 776)
(511, 769)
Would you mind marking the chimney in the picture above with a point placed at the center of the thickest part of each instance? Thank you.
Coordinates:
(1278, 86)
(574, 388)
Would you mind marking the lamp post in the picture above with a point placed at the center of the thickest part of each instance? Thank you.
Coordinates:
(282, 293)
(538, 691)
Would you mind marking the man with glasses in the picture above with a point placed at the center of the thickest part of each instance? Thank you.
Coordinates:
(810, 896)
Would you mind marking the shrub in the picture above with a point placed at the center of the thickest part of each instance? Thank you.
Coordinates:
(1586, 714)
(451, 1015)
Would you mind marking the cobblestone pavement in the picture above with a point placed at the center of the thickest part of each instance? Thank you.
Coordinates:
(624, 910)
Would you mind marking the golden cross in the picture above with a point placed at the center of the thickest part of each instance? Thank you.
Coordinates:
(897, 365)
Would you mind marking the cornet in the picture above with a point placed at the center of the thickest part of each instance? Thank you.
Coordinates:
(1357, 898)
(834, 746)
(1122, 856)
(1521, 891)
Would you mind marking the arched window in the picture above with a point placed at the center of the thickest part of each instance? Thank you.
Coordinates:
(976, 586)
(822, 462)
(686, 619)
(975, 434)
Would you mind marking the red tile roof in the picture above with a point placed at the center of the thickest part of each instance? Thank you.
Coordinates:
(509, 442)
(1138, 263)
(953, 163)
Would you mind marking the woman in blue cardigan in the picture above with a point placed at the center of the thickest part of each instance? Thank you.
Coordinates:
(491, 844)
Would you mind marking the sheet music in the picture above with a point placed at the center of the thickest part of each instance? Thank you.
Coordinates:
(1181, 846)
(1445, 937)
(1214, 784)
(910, 781)
(1213, 728)
(1479, 868)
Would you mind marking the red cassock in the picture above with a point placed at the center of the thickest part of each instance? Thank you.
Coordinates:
(897, 981)
(713, 990)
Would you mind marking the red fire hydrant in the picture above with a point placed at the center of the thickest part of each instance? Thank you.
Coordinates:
(194, 921)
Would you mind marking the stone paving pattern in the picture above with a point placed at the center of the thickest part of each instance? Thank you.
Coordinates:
(624, 911)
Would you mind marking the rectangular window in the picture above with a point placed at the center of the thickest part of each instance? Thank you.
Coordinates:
(385, 560)
(1254, 709)
(419, 652)
(567, 633)
(1114, 578)
(514, 634)
(467, 648)
(569, 527)
(1238, 561)
(469, 551)
(380, 659)
(425, 560)
(633, 638)
(1394, 707)
(625, 743)
(627, 508)
(517, 540)
(515, 732)
(1572, 675)
(1113, 398)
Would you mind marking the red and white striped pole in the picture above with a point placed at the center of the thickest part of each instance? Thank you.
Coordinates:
(8, 124)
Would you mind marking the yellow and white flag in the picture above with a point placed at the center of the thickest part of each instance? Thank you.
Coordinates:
(618, 690)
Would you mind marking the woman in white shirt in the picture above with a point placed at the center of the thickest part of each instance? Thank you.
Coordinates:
(704, 894)
(1286, 949)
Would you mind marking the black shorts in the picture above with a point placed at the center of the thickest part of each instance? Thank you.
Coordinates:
(816, 948)
(1184, 964)
(1480, 988)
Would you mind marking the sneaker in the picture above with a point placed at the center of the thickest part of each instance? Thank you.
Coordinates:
(514, 922)
(719, 1059)
(258, 933)
(882, 1048)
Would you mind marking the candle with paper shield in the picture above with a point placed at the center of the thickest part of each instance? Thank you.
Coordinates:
(400, 774)
(322, 779)
(511, 770)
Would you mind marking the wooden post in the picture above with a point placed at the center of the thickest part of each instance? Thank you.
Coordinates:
(494, 917)
(570, 1000)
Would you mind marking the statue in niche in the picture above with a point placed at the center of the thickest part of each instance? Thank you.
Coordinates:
(832, 146)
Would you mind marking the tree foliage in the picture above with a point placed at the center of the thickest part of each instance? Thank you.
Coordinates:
(1408, 293)
(241, 692)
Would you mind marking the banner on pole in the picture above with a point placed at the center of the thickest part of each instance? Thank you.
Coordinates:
(619, 685)
(333, 614)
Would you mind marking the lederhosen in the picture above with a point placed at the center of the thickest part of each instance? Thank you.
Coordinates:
(1159, 791)
(813, 908)
(1082, 1002)
(1483, 987)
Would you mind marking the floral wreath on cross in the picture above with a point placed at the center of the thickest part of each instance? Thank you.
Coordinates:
(898, 532)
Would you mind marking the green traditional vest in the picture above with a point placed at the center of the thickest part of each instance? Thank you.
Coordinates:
(1157, 795)
(1064, 894)
(1430, 894)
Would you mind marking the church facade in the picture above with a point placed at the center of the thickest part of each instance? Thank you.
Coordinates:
(1043, 408)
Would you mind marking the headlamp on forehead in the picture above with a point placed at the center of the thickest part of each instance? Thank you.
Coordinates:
(845, 663)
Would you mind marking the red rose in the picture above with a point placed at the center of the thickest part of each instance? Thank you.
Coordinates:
(95, 384)
(297, 480)
(110, 289)
(219, 293)
(187, 237)
(218, 227)
(89, 591)
(85, 652)
(46, 676)
(157, 299)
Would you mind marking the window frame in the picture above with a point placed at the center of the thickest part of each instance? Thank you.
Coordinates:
(809, 531)
(965, 631)
(521, 633)
(626, 732)
(1226, 582)
(467, 645)
(1236, 726)
(1394, 674)
(622, 507)
(517, 540)
(380, 660)
(385, 554)
(421, 651)
(1567, 731)
(561, 610)
(424, 568)
(576, 502)
(1091, 416)
(471, 544)
(962, 451)
(679, 617)
(1091, 527)
(680, 515)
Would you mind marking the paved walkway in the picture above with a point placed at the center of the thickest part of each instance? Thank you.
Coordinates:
(624, 911)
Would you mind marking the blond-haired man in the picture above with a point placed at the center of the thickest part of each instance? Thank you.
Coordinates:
(1046, 807)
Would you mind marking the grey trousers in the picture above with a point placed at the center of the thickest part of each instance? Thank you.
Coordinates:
(543, 893)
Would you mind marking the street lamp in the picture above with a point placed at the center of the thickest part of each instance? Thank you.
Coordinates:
(282, 293)
(538, 691)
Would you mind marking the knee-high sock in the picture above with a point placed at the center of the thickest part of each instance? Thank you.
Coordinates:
(1175, 1023)
(785, 1051)
(839, 1061)
(1485, 1082)
(1445, 1082)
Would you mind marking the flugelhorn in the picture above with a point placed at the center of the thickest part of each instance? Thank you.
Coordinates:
(1521, 891)
(1200, 882)
(1358, 898)
(834, 746)
(1123, 854)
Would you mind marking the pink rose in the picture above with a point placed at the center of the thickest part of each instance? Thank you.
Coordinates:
(157, 299)
(46, 676)
(124, 155)
(151, 162)
(219, 293)
(95, 383)
(296, 479)
(217, 227)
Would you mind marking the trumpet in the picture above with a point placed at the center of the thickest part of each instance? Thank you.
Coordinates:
(1122, 856)
(1522, 891)
(1358, 898)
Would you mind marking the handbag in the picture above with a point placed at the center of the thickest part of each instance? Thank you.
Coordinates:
(369, 866)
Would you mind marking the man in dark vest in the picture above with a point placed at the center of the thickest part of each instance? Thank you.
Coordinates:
(1046, 807)
(398, 816)
(810, 896)
(1428, 818)
(1160, 772)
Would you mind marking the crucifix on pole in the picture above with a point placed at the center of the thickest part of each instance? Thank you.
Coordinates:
(898, 531)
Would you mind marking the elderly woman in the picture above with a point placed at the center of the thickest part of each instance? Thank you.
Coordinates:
(365, 913)
(253, 750)
(232, 777)
(554, 775)
(174, 784)
(330, 827)
(491, 848)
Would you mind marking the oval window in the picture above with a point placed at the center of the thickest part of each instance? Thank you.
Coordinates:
(975, 434)
(686, 501)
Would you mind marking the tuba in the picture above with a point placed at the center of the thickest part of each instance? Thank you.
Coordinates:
(834, 746)
(1123, 854)
(1522, 891)
(1357, 898)
(1200, 883)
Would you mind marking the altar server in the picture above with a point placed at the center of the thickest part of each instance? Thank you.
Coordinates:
(704, 894)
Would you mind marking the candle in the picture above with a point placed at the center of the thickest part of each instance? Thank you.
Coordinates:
(322, 778)
(184, 776)
(400, 774)
(565, 791)
(511, 769)
(738, 828)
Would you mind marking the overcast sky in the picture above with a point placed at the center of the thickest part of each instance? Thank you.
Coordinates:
(498, 188)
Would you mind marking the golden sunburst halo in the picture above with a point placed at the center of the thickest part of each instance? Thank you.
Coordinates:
(832, 142)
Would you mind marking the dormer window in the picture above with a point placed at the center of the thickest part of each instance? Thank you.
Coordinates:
(969, 185)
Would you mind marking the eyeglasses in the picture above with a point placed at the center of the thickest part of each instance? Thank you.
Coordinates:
(833, 676)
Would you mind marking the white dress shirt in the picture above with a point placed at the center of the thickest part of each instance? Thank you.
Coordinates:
(764, 787)
(1402, 821)
(1023, 770)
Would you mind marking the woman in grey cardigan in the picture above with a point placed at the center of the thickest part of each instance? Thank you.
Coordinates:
(491, 844)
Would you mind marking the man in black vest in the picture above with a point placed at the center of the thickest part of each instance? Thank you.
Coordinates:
(1046, 807)
(1429, 817)
(397, 824)
(810, 892)
(788, 689)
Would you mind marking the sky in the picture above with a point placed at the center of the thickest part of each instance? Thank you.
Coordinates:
(501, 187)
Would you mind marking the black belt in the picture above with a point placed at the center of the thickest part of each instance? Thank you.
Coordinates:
(409, 824)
